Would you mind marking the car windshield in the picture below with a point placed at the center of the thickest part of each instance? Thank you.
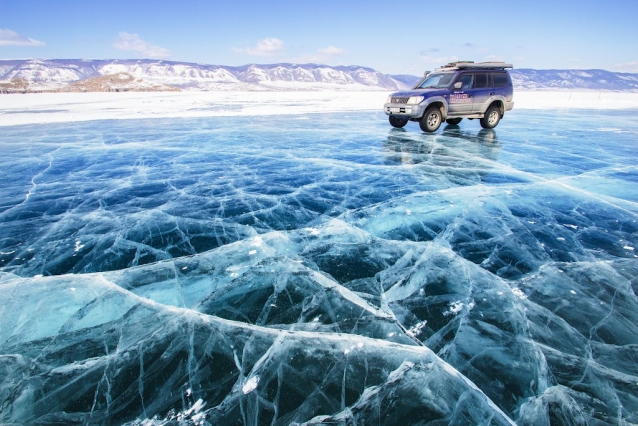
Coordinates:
(436, 81)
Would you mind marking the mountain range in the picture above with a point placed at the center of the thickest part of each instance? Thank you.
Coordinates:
(33, 75)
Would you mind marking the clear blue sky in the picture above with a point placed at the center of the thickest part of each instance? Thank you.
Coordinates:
(391, 36)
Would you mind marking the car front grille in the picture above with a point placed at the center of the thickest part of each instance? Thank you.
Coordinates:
(400, 100)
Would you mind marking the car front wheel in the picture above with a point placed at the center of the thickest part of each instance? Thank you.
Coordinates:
(491, 118)
(397, 122)
(431, 120)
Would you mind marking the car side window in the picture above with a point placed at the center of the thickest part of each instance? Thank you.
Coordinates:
(500, 79)
(481, 81)
(466, 80)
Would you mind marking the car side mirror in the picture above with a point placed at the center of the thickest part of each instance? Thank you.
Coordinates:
(458, 84)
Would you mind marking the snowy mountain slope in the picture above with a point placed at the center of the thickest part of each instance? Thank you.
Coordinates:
(407, 79)
(46, 71)
(55, 74)
(530, 79)
(118, 82)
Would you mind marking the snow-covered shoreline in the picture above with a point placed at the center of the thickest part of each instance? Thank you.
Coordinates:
(67, 107)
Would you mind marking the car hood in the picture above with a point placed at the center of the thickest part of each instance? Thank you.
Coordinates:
(420, 92)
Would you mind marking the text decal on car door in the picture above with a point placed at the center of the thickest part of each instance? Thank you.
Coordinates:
(460, 98)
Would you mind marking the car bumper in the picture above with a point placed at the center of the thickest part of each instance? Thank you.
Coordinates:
(509, 106)
(404, 110)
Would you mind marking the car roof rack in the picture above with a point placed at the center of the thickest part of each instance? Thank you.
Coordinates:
(459, 65)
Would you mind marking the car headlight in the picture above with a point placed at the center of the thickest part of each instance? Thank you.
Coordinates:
(389, 101)
(414, 100)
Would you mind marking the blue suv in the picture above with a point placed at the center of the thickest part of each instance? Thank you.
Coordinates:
(456, 91)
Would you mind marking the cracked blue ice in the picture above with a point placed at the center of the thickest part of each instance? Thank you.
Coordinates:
(331, 270)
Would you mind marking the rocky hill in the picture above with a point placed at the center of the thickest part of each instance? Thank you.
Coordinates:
(118, 82)
(15, 85)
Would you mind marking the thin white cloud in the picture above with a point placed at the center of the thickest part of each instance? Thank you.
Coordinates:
(270, 46)
(438, 60)
(133, 43)
(11, 38)
(322, 55)
(331, 51)
(630, 67)
(493, 58)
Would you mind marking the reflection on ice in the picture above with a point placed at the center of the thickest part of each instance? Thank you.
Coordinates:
(337, 272)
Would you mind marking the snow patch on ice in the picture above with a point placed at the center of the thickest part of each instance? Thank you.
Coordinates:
(313, 231)
(250, 385)
(192, 416)
(415, 330)
(455, 308)
(519, 293)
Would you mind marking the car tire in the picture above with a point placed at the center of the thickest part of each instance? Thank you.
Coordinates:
(431, 120)
(491, 118)
(453, 121)
(397, 122)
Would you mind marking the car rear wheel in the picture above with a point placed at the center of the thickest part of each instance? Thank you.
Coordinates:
(397, 122)
(431, 120)
(453, 121)
(491, 118)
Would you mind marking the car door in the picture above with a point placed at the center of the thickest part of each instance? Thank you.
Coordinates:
(482, 91)
(461, 98)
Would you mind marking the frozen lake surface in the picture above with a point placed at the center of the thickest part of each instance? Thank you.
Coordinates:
(320, 269)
